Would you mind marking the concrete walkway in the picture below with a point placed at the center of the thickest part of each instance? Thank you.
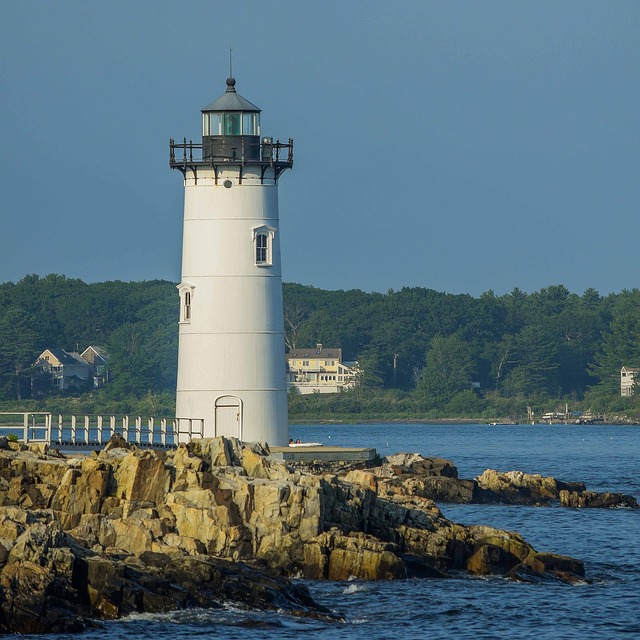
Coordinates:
(324, 454)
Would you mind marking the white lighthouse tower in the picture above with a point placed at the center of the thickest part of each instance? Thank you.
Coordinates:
(231, 365)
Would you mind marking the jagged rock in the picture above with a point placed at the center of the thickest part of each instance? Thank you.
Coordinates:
(593, 500)
(490, 559)
(415, 463)
(361, 557)
(254, 464)
(549, 565)
(409, 474)
(50, 584)
(515, 487)
(116, 442)
(142, 477)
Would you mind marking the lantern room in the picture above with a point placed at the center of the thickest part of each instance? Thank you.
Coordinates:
(231, 128)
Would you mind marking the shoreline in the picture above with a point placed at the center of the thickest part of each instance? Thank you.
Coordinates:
(458, 421)
(390, 421)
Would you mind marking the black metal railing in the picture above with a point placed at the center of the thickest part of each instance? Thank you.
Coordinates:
(279, 154)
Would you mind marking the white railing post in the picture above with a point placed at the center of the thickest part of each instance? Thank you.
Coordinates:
(25, 423)
(139, 429)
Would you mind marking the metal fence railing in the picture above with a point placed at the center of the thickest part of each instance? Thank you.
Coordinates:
(93, 431)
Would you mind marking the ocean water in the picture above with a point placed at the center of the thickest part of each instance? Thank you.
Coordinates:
(604, 457)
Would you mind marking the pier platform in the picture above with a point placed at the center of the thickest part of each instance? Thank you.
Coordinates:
(321, 454)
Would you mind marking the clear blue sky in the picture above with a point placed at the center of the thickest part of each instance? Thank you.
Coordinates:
(461, 146)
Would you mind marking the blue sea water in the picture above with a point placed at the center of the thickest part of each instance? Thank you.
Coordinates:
(606, 458)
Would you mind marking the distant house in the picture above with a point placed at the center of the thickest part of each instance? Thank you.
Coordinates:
(320, 370)
(627, 380)
(67, 370)
(96, 358)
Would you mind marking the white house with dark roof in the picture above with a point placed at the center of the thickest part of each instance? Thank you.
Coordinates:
(320, 370)
(67, 370)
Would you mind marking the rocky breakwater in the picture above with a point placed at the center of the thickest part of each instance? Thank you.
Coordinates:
(101, 536)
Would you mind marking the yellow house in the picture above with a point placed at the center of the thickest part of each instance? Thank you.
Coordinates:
(320, 370)
(627, 380)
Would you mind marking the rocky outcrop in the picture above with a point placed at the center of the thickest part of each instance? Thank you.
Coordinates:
(437, 479)
(515, 487)
(50, 583)
(103, 535)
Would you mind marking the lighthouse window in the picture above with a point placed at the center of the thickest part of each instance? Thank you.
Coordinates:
(187, 305)
(249, 124)
(262, 248)
(186, 294)
(231, 124)
(211, 124)
(262, 245)
(216, 124)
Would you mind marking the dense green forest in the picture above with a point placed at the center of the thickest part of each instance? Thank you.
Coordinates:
(425, 354)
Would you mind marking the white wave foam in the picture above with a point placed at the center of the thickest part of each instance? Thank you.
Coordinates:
(354, 588)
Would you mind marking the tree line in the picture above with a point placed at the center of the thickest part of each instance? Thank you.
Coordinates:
(424, 353)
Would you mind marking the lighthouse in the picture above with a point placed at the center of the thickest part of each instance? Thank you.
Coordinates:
(231, 364)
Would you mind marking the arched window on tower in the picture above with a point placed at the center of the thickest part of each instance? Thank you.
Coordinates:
(187, 305)
(186, 295)
(263, 245)
(262, 248)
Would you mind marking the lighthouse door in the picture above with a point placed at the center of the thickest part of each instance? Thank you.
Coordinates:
(229, 417)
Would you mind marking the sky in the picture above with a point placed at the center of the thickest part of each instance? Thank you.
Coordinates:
(462, 146)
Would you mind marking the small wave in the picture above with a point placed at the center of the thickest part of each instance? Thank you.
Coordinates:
(169, 616)
(355, 588)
